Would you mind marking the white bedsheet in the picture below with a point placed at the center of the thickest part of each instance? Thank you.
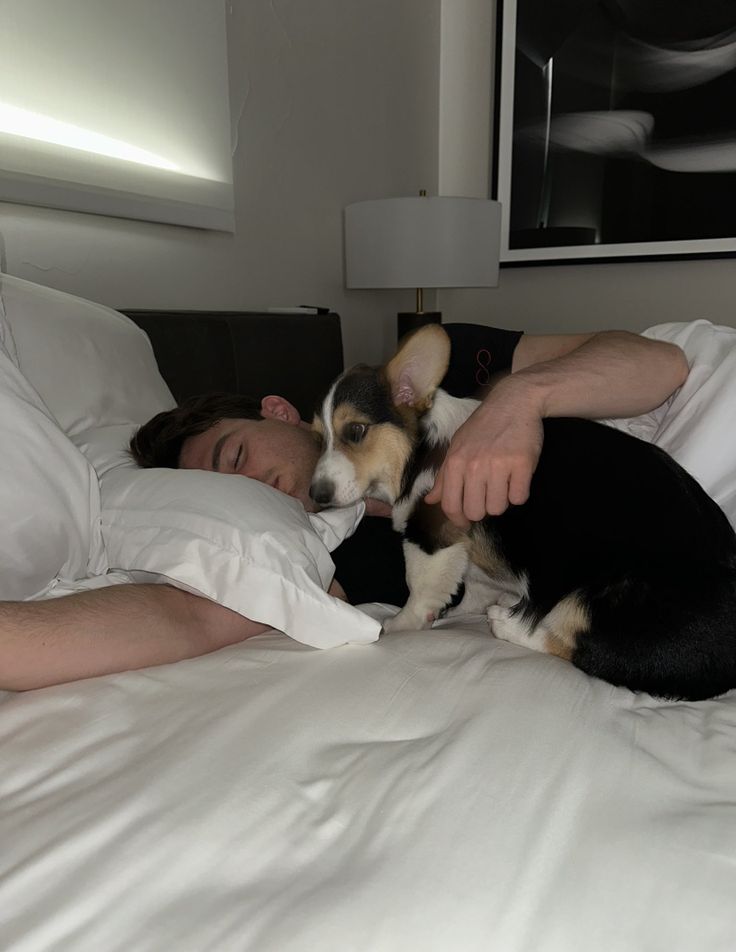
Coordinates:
(434, 791)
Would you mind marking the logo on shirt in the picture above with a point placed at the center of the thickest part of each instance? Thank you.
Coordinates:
(483, 367)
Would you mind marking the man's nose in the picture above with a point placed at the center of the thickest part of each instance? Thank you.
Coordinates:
(322, 491)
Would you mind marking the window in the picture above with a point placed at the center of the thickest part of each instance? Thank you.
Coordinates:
(117, 107)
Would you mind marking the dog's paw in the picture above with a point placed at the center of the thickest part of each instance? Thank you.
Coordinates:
(506, 625)
(408, 620)
(499, 620)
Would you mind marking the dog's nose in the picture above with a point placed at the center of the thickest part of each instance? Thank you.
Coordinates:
(322, 491)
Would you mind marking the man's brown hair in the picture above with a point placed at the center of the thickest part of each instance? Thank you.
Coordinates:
(159, 442)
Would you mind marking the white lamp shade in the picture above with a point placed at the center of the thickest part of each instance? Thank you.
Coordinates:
(422, 243)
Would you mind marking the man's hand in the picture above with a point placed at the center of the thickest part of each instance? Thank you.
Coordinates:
(491, 459)
(336, 590)
(487, 467)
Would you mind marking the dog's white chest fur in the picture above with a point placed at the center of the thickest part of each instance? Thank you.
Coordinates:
(433, 579)
(445, 417)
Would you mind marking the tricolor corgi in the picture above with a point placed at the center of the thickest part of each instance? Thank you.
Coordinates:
(619, 561)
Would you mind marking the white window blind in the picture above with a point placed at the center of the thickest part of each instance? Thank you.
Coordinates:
(117, 107)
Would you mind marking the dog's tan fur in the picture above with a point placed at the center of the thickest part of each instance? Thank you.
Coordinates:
(384, 452)
(567, 621)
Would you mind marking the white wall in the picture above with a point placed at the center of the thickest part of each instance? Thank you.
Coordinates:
(333, 101)
(553, 298)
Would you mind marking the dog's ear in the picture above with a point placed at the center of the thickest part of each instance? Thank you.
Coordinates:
(418, 366)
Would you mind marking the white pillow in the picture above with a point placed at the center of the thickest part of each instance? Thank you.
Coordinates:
(695, 425)
(235, 541)
(49, 500)
(90, 365)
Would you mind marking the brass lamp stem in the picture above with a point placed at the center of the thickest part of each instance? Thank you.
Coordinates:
(420, 302)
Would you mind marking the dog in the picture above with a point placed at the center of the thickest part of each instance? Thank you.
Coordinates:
(619, 562)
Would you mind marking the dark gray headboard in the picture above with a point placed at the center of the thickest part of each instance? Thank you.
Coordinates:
(295, 355)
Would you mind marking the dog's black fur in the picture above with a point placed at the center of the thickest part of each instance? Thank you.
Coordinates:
(618, 522)
(632, 558)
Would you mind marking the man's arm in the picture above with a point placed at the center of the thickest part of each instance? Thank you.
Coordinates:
(119, 628)
(610, 374)
(493, 456)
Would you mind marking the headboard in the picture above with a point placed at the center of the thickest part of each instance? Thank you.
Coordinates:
(295, 355)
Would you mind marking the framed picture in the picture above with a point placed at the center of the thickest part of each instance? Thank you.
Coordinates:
(615, 129)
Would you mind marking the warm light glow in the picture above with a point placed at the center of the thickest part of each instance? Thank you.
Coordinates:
(31, 125)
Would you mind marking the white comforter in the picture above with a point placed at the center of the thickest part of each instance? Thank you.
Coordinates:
(434, 791)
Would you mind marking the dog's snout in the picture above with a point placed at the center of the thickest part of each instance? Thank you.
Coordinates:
(322, 491)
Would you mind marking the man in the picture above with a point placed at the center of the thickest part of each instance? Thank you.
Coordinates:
(490, 461)
(123, 627)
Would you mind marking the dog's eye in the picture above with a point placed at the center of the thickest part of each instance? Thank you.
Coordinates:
(354, 432)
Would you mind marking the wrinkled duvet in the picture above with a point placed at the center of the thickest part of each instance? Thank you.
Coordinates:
(438, 791)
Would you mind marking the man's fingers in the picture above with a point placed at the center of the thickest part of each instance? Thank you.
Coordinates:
(448, 498)
(452, 496)
(474, 499)
(519, 485)
(435, 493)
(486, 489)
(497, 496)
(468, 493)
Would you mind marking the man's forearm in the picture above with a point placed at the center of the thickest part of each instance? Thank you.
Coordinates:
(119, 628)
(494, 454)
(613, 374)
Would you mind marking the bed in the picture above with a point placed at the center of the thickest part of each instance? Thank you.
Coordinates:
(434, 791)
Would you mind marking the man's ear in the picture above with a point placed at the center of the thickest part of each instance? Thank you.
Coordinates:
(274, 407)
(419, 365)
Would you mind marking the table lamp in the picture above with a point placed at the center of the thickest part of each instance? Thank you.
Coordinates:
(422, 242)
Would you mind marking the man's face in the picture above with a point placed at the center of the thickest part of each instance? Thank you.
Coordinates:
(281, 454)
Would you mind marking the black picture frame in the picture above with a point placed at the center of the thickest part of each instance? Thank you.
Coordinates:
(615, 133)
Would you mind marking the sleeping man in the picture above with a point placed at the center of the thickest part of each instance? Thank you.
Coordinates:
(490, 462)
(488, 467)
